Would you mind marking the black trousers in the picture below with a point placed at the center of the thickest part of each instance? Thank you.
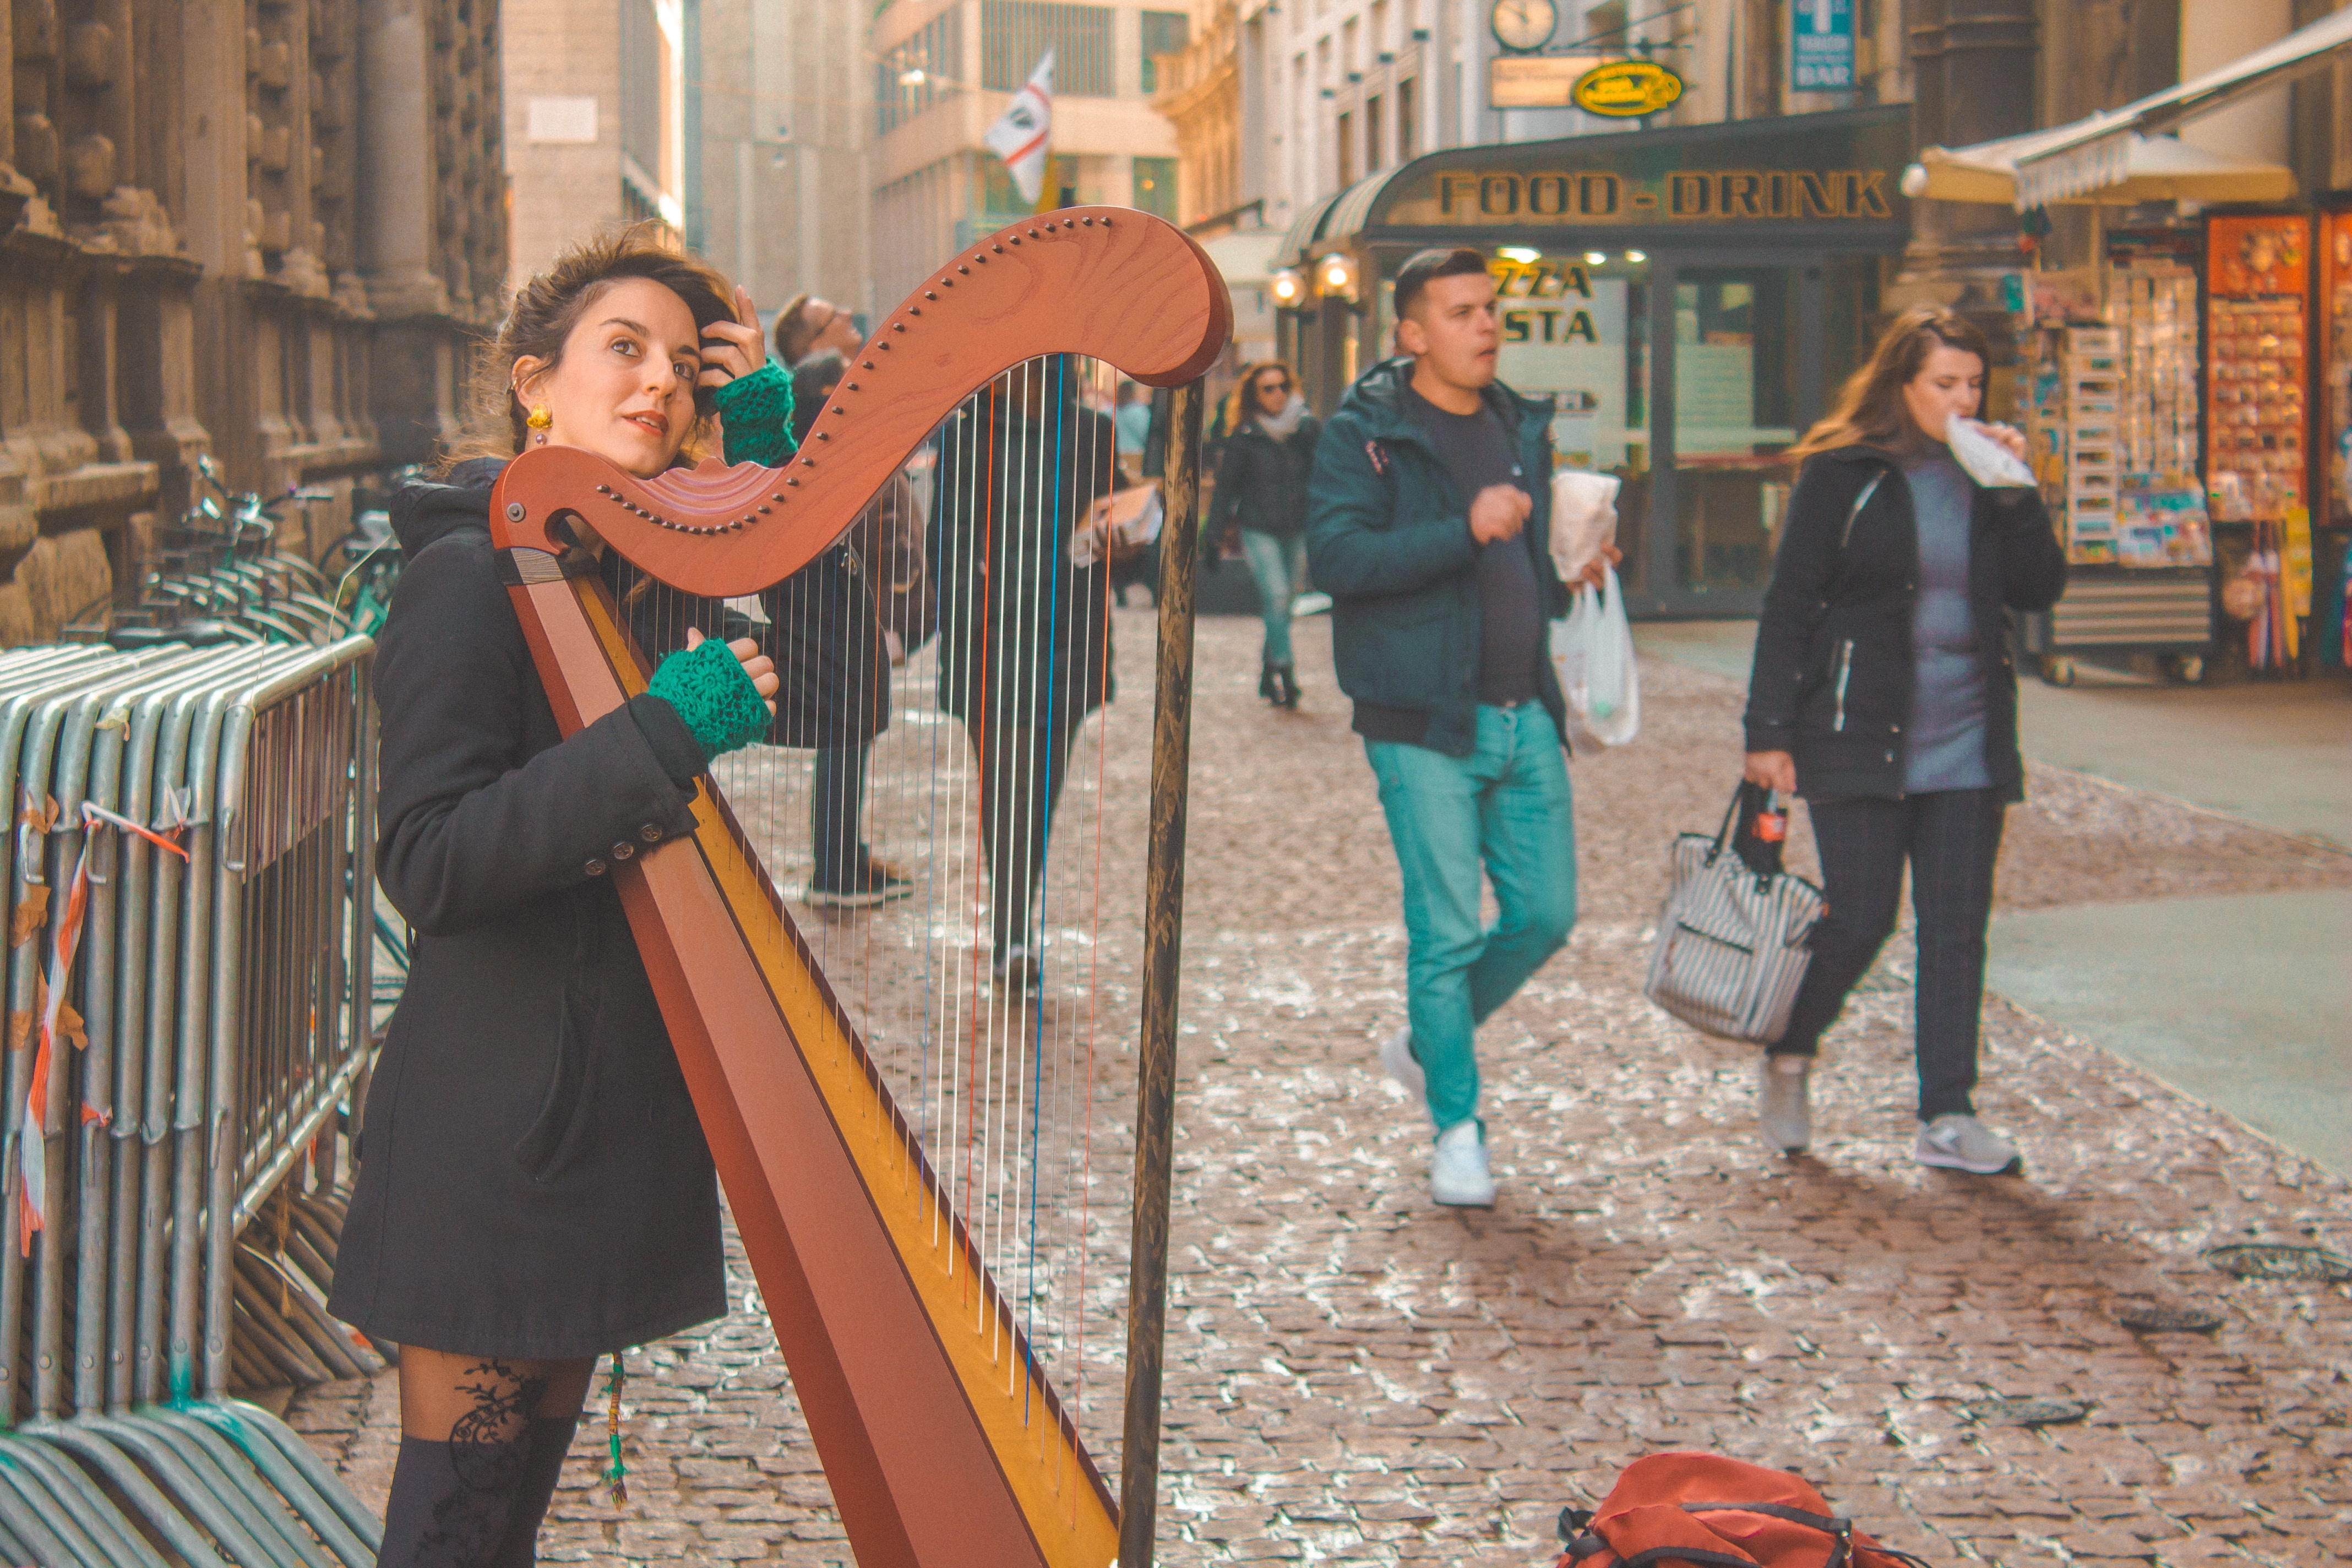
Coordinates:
(1021, 771)
(1952, 839)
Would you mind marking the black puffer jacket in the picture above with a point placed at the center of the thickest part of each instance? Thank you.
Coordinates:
(1833, 678)
(1262, 479)
(532, 1178)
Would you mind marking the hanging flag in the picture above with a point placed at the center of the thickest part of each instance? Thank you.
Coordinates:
(1021, 135)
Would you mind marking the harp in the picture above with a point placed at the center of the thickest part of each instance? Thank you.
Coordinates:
(924, 1378)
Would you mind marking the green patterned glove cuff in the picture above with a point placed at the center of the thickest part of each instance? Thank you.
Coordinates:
(757, 410)
(707, 685)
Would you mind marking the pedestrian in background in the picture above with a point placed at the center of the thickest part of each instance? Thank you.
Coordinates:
(1261, 490)
(844, 620)
(1024, 647)
(1884, 693)
(1427, 520)
(1133, 418)
(808, 325)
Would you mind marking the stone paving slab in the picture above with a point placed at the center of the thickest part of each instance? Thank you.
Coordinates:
(1356, 1376)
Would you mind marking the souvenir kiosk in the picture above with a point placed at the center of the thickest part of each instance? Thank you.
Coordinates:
(1689, 299)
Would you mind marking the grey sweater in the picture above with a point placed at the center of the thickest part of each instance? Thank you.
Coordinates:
(1948, 707)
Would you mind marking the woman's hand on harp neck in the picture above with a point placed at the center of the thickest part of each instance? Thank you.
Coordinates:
(757, 665)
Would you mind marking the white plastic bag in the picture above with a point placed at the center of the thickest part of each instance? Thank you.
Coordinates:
(1592, 649)
(1583, 519)
(1987, 462)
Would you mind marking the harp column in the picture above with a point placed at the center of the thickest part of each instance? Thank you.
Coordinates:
(1164, 943)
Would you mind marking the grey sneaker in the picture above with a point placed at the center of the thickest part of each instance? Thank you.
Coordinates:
(1457, 1171)
(1783, 1101)
(1397, 1057)
(1961, 1143)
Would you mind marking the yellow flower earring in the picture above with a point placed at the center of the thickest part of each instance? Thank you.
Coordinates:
(539, 418)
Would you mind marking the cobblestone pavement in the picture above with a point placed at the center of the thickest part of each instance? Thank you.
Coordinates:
(1356, 1376)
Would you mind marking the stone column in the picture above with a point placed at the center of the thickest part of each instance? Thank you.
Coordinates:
(410, 367)
(1973, 70)
(398, 204)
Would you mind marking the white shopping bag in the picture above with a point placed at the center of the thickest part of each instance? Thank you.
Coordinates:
(1592, 649)
(1583, 519)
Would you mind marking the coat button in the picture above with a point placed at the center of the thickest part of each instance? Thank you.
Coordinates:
(623, 850)
(650, 833)
(595, 868)
(1890, 756)
(1896, 728)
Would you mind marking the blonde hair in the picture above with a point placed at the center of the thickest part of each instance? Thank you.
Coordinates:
(1870, 410)
(545, 309)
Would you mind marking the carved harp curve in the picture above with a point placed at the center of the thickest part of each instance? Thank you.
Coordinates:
(1110, 283)
(942, 1440)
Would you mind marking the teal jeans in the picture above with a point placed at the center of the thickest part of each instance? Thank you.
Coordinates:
(1505, 807)
(1277, 561)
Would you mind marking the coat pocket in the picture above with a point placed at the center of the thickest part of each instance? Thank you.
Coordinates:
(556, 1134)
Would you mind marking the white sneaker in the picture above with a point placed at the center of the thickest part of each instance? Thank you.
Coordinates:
(1457, 1171)
(1961, 1143)
(1311, 604)
(1783, 1101)
(1397, 1057)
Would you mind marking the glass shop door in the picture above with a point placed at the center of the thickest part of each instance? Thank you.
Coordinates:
(1744, 353)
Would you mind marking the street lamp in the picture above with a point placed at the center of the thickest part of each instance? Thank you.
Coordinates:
(1289, 286)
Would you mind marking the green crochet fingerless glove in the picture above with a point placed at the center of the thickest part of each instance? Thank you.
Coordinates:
(757, 410)
(707, 685)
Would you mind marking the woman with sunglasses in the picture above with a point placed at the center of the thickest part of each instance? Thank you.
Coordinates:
(1262, 486)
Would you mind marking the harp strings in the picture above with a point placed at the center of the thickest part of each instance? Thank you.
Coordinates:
(926, 863)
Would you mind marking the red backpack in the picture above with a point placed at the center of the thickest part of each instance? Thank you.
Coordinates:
(1713, 1512)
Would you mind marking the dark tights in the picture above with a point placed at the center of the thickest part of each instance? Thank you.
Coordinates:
(481, 1448)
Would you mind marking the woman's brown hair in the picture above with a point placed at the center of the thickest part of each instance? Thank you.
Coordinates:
(546, 309)
(1870, 410)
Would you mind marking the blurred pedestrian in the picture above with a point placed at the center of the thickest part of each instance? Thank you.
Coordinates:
(809, 325)
(1262, 490)
(1428, 512)
(1133, 418)
(1884, 693)
(535, 1189)
(1025, 646)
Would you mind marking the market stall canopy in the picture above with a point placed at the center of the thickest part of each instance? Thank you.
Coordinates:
(2150, 168)
(2093, 154)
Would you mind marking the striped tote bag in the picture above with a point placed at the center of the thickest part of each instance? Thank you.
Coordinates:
(1736, 933)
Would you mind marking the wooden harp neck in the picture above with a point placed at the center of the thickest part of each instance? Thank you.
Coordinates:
(1110, 283)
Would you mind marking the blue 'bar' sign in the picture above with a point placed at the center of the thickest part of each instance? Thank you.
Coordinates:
(1821, 32)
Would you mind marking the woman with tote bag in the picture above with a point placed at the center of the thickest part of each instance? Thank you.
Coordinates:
(1884, 693)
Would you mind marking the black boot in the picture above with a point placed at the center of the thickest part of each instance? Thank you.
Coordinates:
(452, 1503)
(1265, 686)
(549, 1440)
(1285, 682)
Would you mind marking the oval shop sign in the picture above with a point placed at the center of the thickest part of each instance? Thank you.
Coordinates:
(1625, 88)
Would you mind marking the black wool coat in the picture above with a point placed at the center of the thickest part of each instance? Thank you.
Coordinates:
(1262, 479)
(532, 1178)
(1834, 665)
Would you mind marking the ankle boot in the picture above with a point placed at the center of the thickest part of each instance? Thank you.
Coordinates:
(1265, 682)
(549, 1440)
(1285, 682)
(452, 1503)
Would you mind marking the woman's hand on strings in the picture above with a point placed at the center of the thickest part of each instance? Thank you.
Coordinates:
(736, 348)
(757, 665)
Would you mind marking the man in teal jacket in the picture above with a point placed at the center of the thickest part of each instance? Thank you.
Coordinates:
(1427, 522)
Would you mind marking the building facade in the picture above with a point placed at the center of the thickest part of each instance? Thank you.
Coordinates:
(596, 116)
(945, 69)
(777, 191)
(259, 231)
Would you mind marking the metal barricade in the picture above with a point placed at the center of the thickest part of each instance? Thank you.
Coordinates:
(190, 915)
